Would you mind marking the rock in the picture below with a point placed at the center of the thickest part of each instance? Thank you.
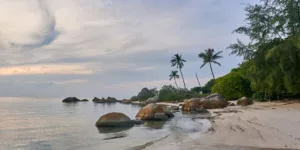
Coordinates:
(149, 111)
(169, 114)
(191, 105)
(70, 100)
(138, 122)
(84, 100)
(244, 101)
(126, 101)
(214, 101)
(231, 104)
(114, 119)
(152, 99)
(160, 117)
(201, 110)
(111, 100)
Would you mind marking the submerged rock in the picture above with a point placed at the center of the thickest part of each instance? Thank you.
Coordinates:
(114, 119)
(244, 101)
(70, 100)
(161, 116)
(84, 100)
(149, 113)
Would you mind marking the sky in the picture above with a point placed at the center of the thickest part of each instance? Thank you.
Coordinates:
(87, 48)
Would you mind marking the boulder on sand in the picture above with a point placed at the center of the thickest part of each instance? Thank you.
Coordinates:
(70, 100)
(191, 105)
(214, 101)
(244, 101)
(114, 119)
(149, 113)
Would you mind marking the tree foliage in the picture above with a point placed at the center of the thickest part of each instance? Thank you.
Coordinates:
(210, 57)
(145, 93)
(232, 86)
(273, 53)
(178, 62)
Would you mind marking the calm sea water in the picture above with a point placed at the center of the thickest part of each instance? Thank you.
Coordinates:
(45, 124)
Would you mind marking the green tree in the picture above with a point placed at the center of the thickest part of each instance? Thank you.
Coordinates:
(266, 21)
(232, 86)
(272, 55)
(208, 86)
(145, 93)
(178, 61)
(209, 57)
(174, 76)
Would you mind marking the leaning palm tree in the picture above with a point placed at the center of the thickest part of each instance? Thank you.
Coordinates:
(178, 61)
(209, 57)
(174, 76)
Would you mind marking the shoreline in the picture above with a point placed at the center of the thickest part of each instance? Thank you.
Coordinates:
(261, 126)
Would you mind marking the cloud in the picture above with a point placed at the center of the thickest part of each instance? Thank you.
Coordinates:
(69, 82)
(23, 27)
(57, 69)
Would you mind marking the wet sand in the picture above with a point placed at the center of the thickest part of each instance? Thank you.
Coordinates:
(261, 126)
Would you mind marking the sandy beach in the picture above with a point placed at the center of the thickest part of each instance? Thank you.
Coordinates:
(265, 126)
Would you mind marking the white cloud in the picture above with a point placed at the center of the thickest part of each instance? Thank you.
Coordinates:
(56, 69)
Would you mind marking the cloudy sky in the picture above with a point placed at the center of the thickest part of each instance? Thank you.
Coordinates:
(86, 48)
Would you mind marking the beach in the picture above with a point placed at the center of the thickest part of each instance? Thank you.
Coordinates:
(266, 126)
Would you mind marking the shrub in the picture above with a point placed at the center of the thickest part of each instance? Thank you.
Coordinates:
(232, 86)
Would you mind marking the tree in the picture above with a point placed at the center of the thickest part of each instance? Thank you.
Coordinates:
(273, 53)
(232, 86)
(208, 86)
(145, 93)
(174, 76)
(209, 57)
(265, 21)
(178, 61)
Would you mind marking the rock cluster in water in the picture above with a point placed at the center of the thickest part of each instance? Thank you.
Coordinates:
(73, 100)
(103, 100)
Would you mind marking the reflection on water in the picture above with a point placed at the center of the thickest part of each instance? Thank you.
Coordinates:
(112, 130)
(34, 124)
(155, 124)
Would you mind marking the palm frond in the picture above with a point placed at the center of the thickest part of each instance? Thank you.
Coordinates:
(216, 62)
(203, 64)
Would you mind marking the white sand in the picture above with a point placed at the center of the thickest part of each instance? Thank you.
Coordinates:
(262, 125)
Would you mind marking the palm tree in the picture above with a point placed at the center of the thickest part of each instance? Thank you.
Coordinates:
(209, 57)
(178, 62)
(174, 75)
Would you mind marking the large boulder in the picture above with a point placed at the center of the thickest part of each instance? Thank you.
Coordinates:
(70, 100)
(244, 101)
(152, 112)
(84, 100)
(191, 105)
(114, 119)
(214, 101)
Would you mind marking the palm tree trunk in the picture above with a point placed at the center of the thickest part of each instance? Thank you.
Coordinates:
(176, 83)
(212, 72)
(182, 78)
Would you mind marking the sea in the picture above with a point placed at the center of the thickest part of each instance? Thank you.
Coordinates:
(49, 124)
